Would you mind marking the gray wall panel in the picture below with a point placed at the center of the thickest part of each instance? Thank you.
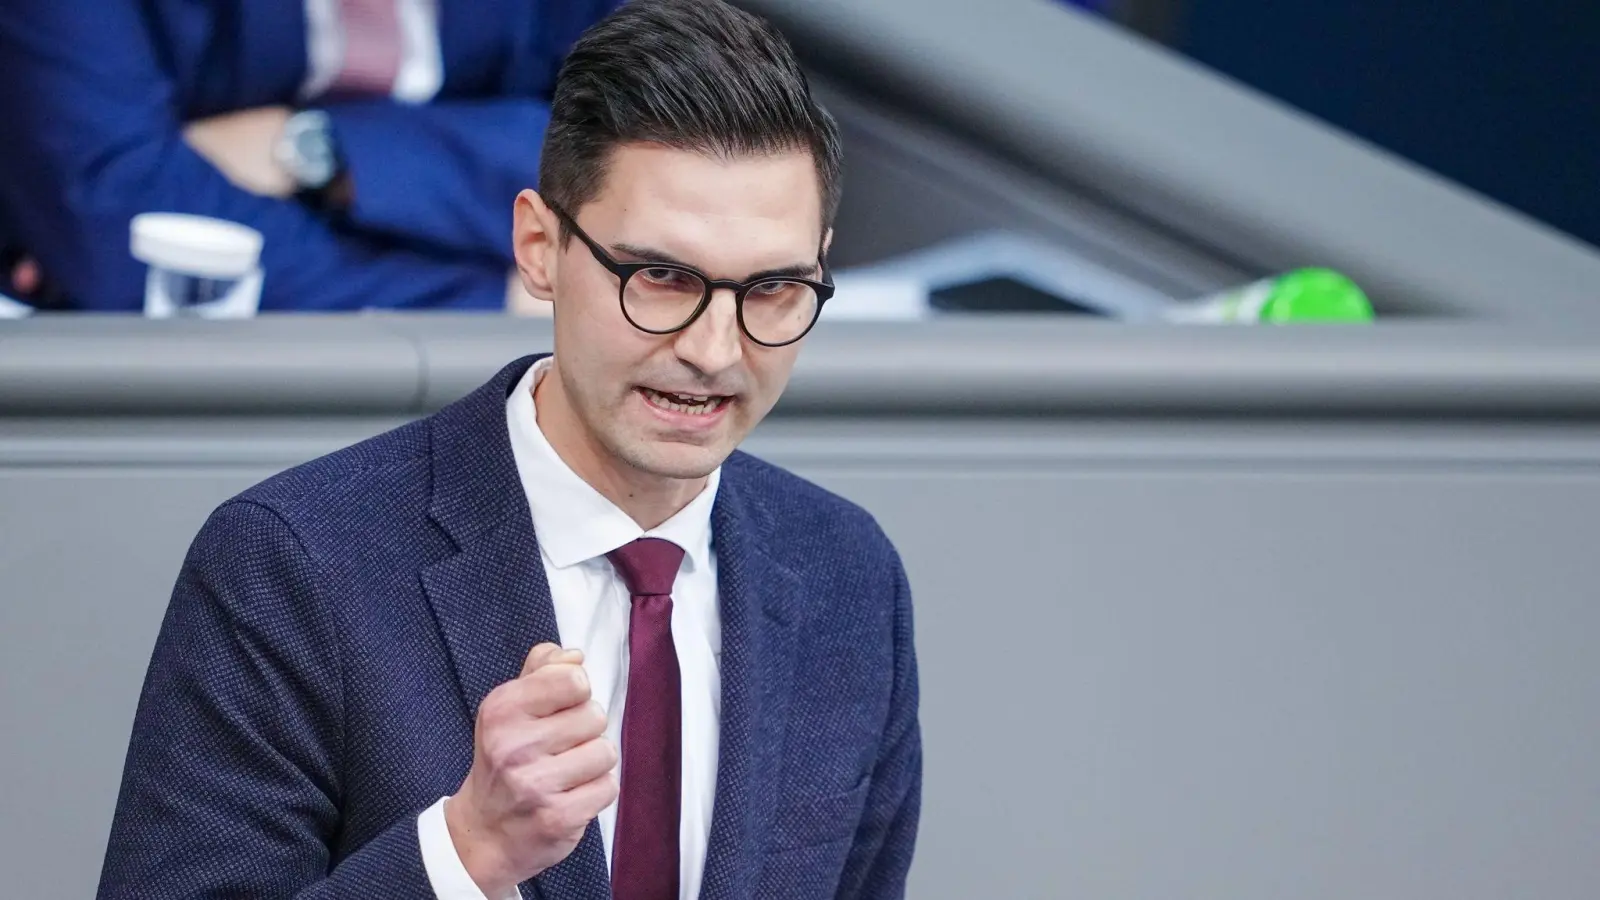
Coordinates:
(1158, 660)
(88, 559)
(1197, 684)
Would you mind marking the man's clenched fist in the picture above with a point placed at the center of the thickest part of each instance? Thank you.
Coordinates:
(541, 769)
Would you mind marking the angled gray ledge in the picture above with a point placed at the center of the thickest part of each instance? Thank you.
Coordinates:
(1236, 174)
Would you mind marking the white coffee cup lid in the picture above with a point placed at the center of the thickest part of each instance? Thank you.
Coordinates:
(196, 245)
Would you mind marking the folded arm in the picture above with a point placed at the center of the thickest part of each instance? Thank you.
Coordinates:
(446, 173)
(94, 140)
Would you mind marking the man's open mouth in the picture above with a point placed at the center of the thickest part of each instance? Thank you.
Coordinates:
(690, 404)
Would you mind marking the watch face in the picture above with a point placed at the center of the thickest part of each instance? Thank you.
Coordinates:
(316, 158)
(309, 154)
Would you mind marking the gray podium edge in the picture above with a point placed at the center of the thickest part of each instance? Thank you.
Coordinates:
(1020, 365)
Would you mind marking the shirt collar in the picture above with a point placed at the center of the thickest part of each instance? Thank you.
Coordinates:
(573, 521)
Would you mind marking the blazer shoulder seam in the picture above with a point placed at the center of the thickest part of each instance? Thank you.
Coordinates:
(321, 585)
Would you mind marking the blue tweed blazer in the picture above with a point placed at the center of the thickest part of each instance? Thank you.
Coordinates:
(334, 628)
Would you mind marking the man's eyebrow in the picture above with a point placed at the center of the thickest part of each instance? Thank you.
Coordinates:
(650, 254)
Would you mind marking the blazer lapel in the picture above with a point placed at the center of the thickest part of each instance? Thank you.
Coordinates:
(760, 606)
(492, 603)
(491, 599)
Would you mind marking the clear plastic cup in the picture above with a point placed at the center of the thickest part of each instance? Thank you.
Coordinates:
(198, 266)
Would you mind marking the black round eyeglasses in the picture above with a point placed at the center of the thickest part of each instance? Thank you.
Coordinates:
(662, 297)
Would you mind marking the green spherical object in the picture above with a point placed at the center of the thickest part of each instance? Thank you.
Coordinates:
(1316, 295)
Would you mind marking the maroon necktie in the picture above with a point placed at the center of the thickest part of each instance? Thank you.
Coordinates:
(644, 853)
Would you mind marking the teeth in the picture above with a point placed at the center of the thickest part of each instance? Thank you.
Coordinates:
(684, 403)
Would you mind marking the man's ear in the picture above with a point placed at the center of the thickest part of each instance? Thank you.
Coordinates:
(535, 242)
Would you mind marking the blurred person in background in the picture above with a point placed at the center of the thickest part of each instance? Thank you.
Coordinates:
(376, 144)
(562, 634)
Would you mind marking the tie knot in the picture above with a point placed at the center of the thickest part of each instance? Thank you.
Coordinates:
(648, 566)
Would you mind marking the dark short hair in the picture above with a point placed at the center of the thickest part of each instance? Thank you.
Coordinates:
(691, 74)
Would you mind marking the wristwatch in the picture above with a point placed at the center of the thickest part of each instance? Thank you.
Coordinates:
(308, 151)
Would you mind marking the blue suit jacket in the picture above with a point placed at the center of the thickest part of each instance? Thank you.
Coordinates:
(95, 98)
(333, 630)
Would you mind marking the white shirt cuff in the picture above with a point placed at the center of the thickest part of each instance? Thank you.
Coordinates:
(446, 874)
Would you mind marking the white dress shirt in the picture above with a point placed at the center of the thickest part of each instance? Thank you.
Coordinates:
(577, 527)
(420, 73)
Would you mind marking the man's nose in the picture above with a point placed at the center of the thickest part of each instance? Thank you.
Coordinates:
(713, 343)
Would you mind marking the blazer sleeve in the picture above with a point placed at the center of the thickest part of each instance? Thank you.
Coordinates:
(93, 138)
(231, 785)
(880, 858)
(446, 173)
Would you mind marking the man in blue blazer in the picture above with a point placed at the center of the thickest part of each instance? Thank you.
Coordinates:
(560, 639)
(374, 143)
